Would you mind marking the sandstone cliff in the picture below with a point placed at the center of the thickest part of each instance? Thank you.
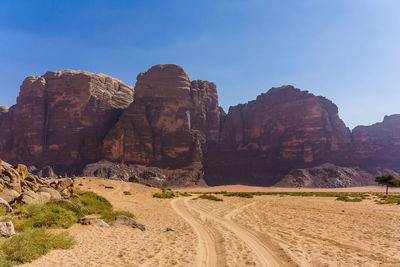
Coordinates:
(282, 129)
(168, 124)
(61, 118)
(169, 130)
(378, 144)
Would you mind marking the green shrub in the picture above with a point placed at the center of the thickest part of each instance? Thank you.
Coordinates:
(185, 194)
(210, 197)
(127, 193)
(109, 215)
(164, 194)
(388, 199)
(93, 202)
(239, 194)
(51, 215)
(28, 246)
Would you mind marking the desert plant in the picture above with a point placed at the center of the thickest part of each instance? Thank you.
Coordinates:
(164, 194)
(388, 180)
(127, 193)
(210, 197)
(239, 194)
(28, 246)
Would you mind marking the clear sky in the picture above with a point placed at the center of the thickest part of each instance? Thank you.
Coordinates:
(346, 50)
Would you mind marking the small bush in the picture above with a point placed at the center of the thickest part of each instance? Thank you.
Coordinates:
(239, 194)
(93, 202)
(210, 197)
(127, 193)
(185, 194)
(348, 199)
(28, 246)
(388, 199)
(164, 194)
(109, 215)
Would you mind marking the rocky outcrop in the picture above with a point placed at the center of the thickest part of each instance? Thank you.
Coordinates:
(282, 129)
(168, 124)
(17, 185)
(62, 117)
(331, 176)
(378, 144)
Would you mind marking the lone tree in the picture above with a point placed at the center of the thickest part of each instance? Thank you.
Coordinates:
(387, 180)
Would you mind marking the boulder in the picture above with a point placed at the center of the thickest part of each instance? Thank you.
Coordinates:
(30, 197)
(22, 170)
(93, 221)
(54, 194)
(44, 197)
(7, 229)
(9, 195)
(124, 220)
(5, 204)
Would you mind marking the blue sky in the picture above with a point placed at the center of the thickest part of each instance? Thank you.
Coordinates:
(346, 50)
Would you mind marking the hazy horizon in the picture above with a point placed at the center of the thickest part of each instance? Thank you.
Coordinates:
(346, 51)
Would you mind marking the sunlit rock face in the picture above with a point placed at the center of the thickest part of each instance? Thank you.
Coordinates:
(61, 118)
(378, 144)
(282, 129)
(169, 122)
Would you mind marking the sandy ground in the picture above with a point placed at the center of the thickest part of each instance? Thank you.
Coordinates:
(247, 188)
(262, 231)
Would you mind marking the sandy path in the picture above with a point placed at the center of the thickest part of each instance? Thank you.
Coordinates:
(264, 256)
(206, 251)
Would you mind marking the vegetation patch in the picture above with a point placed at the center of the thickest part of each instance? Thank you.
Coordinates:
(388, 199)
(239, 194)
(184, 194)
(30, 245)
(127, 193)
(209, 197)
(165, 194)
(31, 222)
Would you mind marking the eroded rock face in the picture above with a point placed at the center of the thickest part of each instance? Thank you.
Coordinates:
(378, 144)
(331, 176)
(62, 117)
(282, 129)
(169, 122)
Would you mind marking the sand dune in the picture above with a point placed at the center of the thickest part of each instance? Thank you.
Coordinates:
(262, 231)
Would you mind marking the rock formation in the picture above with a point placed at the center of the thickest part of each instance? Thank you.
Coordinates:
(282, 129)
(17, 185)
(378, 144)
(170, 131)
(61, 118)
(329, 175)
(168, 124)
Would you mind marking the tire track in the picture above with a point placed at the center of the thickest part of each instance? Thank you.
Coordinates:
(265, 256)
(207, 247)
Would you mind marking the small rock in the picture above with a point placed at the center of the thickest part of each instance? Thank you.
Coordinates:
(93, 221)
(169, 229)
(7, 229)
(124, 220)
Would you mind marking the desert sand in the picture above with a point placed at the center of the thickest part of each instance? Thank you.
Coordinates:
(262, 231)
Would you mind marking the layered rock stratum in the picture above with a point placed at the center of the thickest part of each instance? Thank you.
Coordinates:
(169, 130)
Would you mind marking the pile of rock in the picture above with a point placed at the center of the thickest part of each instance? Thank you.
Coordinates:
(17, 185)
